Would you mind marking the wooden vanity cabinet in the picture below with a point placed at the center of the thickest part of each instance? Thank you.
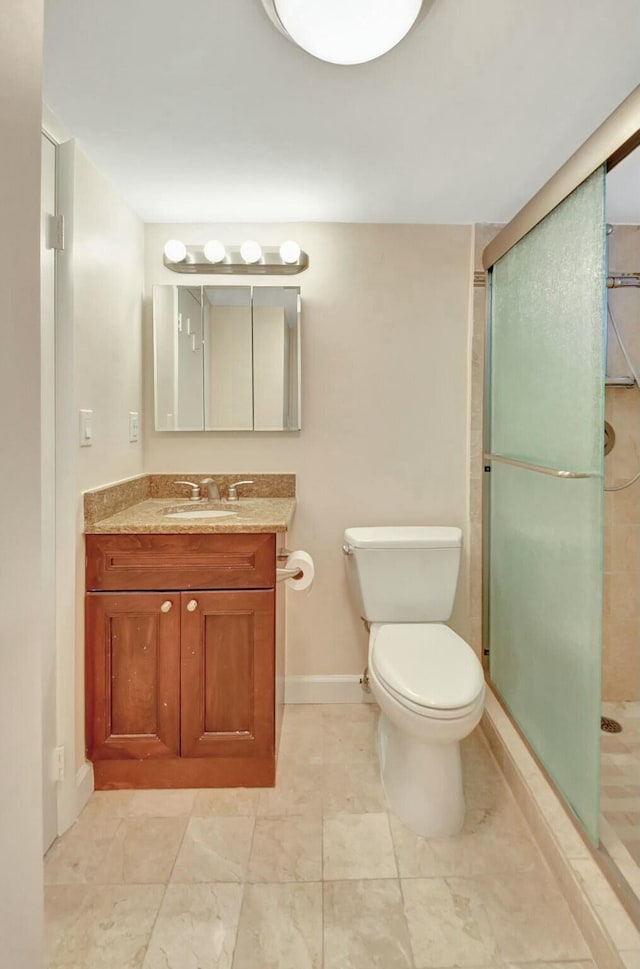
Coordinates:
(181, 679)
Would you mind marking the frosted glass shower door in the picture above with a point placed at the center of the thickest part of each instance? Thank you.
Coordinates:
(545, 529)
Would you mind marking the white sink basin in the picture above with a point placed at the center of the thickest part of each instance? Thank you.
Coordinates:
(201, 514)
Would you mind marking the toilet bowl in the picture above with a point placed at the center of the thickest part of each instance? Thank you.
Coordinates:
(425, 713)
(427, 680)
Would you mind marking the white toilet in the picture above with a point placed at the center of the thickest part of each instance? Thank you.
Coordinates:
(428, 681)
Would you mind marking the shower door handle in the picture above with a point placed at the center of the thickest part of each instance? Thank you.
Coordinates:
(540, 468)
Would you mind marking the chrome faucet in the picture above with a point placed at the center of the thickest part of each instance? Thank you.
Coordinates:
(213, 491)
(195, 489)
(233, 494)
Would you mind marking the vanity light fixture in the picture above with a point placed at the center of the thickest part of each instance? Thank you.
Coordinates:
(214, 251)
(174, 250)
(345, 31)
(250, 258)
(251, 251)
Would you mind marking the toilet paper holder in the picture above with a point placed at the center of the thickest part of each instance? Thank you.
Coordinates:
(282, 574)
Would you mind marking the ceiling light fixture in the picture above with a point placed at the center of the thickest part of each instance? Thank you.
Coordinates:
(345, 31)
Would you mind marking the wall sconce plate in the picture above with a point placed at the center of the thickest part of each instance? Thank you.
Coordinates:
(271, 263)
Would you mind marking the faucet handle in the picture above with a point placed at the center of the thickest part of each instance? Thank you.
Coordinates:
(233, 494)
(195, 489)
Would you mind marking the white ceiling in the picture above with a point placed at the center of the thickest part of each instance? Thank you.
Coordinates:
(201, 111)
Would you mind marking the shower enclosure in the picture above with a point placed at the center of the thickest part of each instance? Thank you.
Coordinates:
(544, 483)
(545, 449)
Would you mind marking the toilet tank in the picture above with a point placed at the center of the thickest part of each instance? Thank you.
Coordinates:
(403, 573)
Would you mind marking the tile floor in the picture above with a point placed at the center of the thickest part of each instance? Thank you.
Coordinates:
(313, 874)
(620, 789)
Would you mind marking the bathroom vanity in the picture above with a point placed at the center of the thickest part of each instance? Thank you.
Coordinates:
(184, 646)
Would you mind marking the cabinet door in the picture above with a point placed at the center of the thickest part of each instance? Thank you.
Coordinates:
(133, 675)
(227, 674)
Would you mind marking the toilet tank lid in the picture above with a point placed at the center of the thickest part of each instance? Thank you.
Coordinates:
(404, 536)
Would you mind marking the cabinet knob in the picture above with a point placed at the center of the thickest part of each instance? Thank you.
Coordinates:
(166, 606)
(192, 605)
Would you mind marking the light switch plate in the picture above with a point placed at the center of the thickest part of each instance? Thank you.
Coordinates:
(134, 426)
(86, 428)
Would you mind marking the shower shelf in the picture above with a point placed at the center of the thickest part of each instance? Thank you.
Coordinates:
(619, 382)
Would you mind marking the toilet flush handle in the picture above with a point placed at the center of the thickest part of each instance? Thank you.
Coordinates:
(347, 549)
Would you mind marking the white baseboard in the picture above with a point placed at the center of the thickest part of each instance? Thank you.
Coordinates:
(84, 786)
(325, 689)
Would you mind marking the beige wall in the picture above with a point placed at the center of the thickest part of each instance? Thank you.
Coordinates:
(621, 639)
(20, 633)
(108, 268)
(106, 274)
(385, 358)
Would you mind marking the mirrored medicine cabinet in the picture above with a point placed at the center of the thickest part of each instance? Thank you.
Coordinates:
(226, 358)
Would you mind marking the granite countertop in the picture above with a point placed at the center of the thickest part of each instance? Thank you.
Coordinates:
(149, 516)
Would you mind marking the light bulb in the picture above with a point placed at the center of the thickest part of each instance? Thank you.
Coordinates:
(174, 250)
(251, 251)
(214, 251)
(289, 251)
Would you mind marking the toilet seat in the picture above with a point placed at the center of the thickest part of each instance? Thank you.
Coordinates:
(428, 668)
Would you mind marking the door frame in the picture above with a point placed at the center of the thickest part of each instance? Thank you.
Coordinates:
(75, 785)
(48, 263)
